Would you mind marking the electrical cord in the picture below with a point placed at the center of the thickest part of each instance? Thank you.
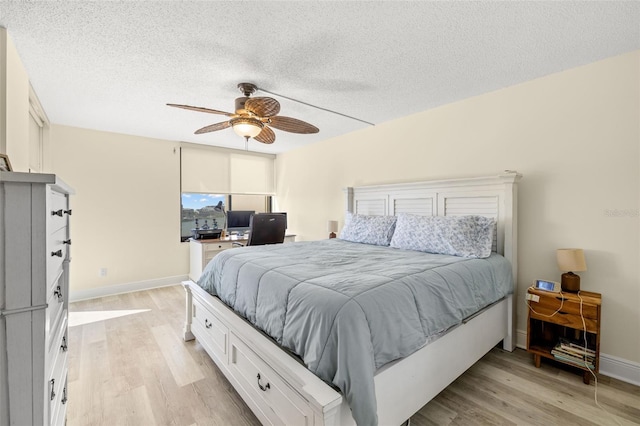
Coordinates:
(528, 302)
(595, 378)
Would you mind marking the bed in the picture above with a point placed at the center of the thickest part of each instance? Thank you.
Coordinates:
(280, 389)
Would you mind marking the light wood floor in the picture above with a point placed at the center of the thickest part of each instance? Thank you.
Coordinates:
(133, 368)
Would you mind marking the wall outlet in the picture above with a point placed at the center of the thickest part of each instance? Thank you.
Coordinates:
(102, 272)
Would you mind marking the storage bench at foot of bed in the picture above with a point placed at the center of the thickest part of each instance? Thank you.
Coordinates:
(270, 394)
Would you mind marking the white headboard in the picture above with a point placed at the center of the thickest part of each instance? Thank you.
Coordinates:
(495, 196)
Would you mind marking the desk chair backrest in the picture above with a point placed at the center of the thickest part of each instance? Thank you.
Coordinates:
(267, 228)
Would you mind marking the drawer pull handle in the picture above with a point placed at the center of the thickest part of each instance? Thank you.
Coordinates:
(64, 395)
(68, 212)
(53, 394)
(58, 292)
(56, 212)
(63, 346)
(207, 323)
(265, 387)
(56, 253)
(66, 242)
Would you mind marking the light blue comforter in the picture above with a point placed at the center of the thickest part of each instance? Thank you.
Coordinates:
(347, 309)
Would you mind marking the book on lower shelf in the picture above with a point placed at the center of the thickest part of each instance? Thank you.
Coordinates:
(574, 353)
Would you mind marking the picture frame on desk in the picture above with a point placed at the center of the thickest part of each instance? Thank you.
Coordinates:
(5, 164)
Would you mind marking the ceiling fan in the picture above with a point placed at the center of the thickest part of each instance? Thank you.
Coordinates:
(254, 117)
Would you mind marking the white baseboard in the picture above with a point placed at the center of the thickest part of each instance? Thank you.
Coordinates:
(521, 339)
(610, 366)
(76, 295)
(621, 369)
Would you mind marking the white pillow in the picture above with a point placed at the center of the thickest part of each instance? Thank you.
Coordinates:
(365, 229)
(465, 236)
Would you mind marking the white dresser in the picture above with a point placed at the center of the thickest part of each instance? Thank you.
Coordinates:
(202, 251)
(34, 287)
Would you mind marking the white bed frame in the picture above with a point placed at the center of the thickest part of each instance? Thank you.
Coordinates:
(297, 396)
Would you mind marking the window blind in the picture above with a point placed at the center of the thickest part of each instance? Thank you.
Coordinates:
(220, 171)
(251, 174)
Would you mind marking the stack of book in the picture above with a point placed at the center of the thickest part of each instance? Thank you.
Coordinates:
(574, 353)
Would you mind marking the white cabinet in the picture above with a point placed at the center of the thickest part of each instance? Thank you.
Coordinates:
(34, 287)
(202, 251)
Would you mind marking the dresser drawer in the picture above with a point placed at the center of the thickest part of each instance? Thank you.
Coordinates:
(58, 216)
(216, 247)
(55, 308)
(57, 387)
(58, 339)
(279, 403)
(212, 250)
(211, 333)
(553, 303)
(562, 318)
(56, 253)
(58, 407)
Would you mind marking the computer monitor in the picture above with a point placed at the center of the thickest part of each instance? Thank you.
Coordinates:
(285, 218)
(239, 220)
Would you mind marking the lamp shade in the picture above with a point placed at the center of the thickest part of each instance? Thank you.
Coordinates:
(332, 226)
(247, 127)
(571, 260)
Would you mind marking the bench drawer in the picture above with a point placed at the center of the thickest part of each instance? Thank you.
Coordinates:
(280, 404)
(211, 333)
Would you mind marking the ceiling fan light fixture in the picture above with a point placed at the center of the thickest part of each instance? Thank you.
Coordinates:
(247, 127)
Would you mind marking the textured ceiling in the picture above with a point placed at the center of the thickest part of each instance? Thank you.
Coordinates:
(114, 65)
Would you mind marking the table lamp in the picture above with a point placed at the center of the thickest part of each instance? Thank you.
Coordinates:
(570, 260)
(332, 228)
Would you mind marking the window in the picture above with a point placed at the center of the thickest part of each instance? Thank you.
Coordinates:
(212, 178)
(209, 210)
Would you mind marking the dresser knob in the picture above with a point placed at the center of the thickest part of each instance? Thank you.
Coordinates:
(56, 212)
(63, 347)
(207, 323)
(53, 383)
(57, 253)
(67, 242)
(68, 212)
(64, 395)
(58, 293)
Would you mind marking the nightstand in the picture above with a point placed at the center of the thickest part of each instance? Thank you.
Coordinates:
(560, 337)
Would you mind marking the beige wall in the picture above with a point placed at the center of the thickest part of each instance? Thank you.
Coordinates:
(14, 105)
(573, 135)
(126, 210)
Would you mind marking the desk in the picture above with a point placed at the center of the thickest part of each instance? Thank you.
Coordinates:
(202, 251)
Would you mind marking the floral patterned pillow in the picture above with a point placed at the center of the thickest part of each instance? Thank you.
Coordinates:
(465, 236)
(365, 229)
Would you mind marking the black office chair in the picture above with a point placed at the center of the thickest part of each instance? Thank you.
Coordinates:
(266, 228)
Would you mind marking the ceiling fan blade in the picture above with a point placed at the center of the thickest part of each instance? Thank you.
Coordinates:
(213, 127)
(266, 136)
(292, 125)
(201, 109)
(262, 107)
